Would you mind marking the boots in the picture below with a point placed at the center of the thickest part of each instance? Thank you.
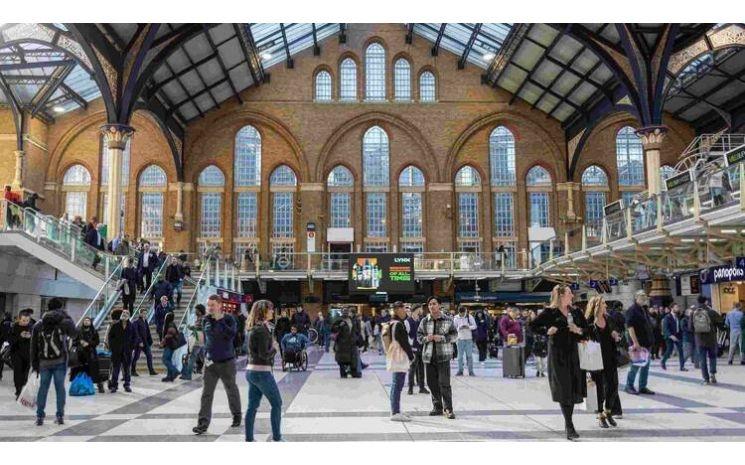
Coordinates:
(100, 388)
(609, 418)
(571, 432)
(602, 422)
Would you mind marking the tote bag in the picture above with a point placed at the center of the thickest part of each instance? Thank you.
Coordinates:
(30, 392)
(396, 359)
(590, 403)
(590, 356)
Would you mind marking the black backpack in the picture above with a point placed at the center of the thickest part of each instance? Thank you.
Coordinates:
(51, 344)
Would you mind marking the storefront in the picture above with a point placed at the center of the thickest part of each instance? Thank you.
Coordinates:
(724, 284)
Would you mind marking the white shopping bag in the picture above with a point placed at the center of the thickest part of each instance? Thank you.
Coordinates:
(30, 392)
(178, 356)
(590, 356)
(590, 404)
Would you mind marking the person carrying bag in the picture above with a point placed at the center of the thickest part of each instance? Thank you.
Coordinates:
(398, 357)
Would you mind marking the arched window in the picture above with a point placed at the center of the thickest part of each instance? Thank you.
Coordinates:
(666, 171)
(340, 185)
(348, 80)
(323, 86)
(427, 90)
(630, 158)
(595, 186)
(502, 157)
(402, 80)
(247, 179)
(411, 186)
(375, 72)
(211, 184)
(539, 199)
(126, 156)
(282, 184)
(375, 168)
(152, 187)
(76, 183)
(467, 190)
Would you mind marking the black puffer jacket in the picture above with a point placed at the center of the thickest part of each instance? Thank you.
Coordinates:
(260, 348)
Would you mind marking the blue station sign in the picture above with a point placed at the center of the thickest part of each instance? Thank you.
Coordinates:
(724, 273)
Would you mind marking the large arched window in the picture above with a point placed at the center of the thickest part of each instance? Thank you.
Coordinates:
(467, 191)
(323, 86)
(348, 80)
(402, 80)
(282, 184)
(375, 168)
(152, 186)
(211, 185)
(126, 156)
(76, 183)
(538, 182)
(375, 72)
(247, 181)
(340, 184)
(427, 89)
(247, 157)
(502, 157)
(630, 158)
(595, 187)
(411, 187)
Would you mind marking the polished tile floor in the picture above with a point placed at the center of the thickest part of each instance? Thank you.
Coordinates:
(319, 406)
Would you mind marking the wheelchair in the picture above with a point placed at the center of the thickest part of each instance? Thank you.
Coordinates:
(297, 360)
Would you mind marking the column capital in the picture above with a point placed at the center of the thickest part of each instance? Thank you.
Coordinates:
(567, 186)
(117, 135)
(652, 136)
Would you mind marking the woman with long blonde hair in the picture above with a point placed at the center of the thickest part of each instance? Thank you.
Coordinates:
(601, 330)
(261, 382)
(565, 326)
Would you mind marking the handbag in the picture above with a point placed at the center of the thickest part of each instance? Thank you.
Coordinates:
(30, 392)
(622, 356)
(73, 356)
(590, 356)
(590, 403)
(639, 357)
(82, 385)
(396, 359)
(5, 355)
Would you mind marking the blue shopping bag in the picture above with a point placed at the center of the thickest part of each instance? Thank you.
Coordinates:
(82, 385)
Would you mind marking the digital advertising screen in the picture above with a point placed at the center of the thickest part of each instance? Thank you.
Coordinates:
(381, 272)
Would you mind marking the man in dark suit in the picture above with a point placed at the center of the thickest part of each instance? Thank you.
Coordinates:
(121, 342)
(147, 262)
(94, 239)
(143, 342)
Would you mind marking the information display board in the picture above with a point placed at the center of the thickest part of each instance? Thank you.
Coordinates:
(381, 272)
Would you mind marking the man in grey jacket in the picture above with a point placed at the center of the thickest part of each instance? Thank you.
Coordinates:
(49, 356)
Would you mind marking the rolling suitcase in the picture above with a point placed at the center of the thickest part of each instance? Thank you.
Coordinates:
(513, 362)
(104, 366)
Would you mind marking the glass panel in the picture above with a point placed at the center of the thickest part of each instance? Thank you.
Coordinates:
(468, 214)
(282, 214)
(411, 176)
(247, 157)
(644, 215)
(467, 177)
(630, 158)
(411, 208)
(375, 72)
(341, 210)
(594, 176)
(468, 247)
(348, 88)
(376, 210)
(594, 203)
(76, 204)
(323, 86)
(539, 211)
(376, 248)
(375, 157)
(151, 208)
(211, 177)
(247, 214)
(283, 176)
(210, 220)
(502, 157)
(427, 91)
(402, 80)
(666, 171)
(77, 175)
(628, 197)
(412, 247)
(153, 176)
(340, 176)
(503, 214)
(538, 176)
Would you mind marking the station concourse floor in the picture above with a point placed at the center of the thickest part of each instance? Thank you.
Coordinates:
(319, 406)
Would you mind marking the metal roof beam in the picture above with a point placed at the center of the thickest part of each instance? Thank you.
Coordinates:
(49, 88)
(289, 60)
(409, 33)
(36, 64)
(184, 71)
(316, 48)
(222, 66)
(576, 85)
(342, 33)
(440, 33)
(709, 93)
(199, 74)
(74, 95)
(469, 46)
(538, 63)
(192, 97)
(248, 44)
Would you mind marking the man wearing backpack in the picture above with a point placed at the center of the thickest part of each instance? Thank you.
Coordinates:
(704, 323)
(49, 341)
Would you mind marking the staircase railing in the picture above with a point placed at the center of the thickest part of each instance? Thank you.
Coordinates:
(188, 318)
(104, 300)
(149, 291)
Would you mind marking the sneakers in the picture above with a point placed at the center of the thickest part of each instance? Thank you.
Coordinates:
(713, 379)
(435, 413)
(400, 417)
(127, 389)
(471, 374)
(236, 421)
(449, 414)
(705, 382)
(199, 429)
(60, 420)
(631, 390)
(684, 369)
(271, 439)
(646, 391)
(39, 421)
(460, 373)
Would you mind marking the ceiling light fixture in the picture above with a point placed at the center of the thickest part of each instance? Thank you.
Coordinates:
(488, 56)
(58, 109)
(266, 56)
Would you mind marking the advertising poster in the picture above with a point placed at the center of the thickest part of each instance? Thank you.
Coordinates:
(375, 272)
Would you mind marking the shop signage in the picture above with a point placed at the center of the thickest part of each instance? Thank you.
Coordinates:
(381, 272)
(724, 273)
(613, 208)
(311, 236)
(735, 156)
(678, 180)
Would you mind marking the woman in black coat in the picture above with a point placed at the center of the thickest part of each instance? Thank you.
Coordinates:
(565, 326)
(85, 343)
(344, 346)
(601, 329)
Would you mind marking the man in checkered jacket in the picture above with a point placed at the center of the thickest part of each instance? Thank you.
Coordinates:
(436, 334)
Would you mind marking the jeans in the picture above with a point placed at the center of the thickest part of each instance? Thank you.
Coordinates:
(669, 344)
(643, 375)
(379, 344)
(396, 387)
(262, 383)
(465, 349)
(177, 287)
(326, 341)
(148, 357)
(189, 367)
(711, 367)
(171, 372)
(735, 339)
(56, 372)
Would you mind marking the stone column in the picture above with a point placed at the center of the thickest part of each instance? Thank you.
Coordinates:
(115, 138)
(18, 176)
(179, 216)
(652, 137)
(570, 188)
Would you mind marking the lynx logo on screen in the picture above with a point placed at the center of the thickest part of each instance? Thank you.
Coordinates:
(381, 272)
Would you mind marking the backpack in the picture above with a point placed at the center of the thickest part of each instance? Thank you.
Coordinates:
(701, 321)
(386, 334)
(51, 346)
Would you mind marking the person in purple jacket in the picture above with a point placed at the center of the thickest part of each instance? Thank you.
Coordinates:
(509, 325)
(416, 370)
